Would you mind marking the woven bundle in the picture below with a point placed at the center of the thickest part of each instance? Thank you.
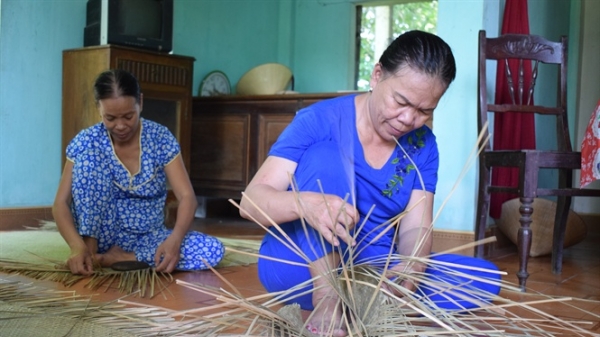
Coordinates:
(542, 225)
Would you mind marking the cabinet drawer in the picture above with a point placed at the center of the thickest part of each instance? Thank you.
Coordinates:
(220, 153)
(232, 135)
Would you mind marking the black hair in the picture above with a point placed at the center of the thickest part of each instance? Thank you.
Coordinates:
(422, 51)
(116, 83)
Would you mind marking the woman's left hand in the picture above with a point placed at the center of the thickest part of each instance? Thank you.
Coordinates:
(408, 283)
(167, 255)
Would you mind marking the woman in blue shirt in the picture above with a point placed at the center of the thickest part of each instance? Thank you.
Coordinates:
(354, 160)
(109, 206)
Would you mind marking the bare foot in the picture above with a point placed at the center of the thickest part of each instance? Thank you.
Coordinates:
(114, 254)
(327, 316)
(326, 319)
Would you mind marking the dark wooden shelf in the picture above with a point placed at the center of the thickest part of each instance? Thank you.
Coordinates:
(231, 137)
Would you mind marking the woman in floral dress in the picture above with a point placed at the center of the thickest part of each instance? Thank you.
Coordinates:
(109, 206)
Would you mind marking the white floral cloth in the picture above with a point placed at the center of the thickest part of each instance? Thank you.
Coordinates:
(124, 209)
(590, 150)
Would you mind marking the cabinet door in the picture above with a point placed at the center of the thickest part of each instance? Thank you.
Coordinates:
(165, 81)
(220, 154)
(172, 111)
(269, 129)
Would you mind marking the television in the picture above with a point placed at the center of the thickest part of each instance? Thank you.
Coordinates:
(146, 24)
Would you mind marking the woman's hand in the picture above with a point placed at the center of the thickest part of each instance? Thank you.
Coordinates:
(267, 200)
(167, 254)
(330, 215)
(414, 239)
(82, 249)
(404, 275)
(81, 260)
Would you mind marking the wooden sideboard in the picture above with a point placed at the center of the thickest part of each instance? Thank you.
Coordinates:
(165, 81)
(231, 137)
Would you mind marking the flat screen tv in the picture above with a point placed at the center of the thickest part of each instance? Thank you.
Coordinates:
(146, 24)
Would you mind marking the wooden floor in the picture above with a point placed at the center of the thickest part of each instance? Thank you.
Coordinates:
(580, 277)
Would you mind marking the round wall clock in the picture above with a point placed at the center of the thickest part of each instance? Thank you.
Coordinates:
(214, 84)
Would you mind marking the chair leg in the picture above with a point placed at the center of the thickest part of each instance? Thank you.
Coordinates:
(483, 205)
(560, 225)
(524, 239)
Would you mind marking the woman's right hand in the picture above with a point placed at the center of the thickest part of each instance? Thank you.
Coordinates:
(330, 215)
(267, 200)
(81, 260)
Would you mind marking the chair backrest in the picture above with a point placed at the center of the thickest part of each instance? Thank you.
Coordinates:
(517, 50)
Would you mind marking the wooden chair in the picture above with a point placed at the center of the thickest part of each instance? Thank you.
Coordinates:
(534, 49)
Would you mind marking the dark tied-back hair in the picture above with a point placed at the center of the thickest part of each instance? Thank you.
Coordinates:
(116, 83)
(422, 51)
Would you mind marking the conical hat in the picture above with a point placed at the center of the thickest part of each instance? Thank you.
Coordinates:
(265, 79)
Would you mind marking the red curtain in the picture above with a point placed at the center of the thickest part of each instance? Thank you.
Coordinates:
(512, 131)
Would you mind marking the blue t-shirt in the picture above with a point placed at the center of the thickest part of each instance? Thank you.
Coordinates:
(387, 188)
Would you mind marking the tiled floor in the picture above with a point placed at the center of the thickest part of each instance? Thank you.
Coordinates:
(580, 277)
(578, 284)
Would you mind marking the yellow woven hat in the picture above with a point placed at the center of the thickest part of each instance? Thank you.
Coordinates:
(265, 79)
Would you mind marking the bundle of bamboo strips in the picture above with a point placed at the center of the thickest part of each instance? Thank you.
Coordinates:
(28, 310)
(143, 282)
(371, 310)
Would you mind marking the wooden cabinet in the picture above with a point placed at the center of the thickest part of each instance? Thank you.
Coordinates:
(165, 81)
(231, 137)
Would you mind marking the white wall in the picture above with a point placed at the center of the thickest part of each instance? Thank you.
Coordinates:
(228, 35)
(33, 35)
(455, 121)
(323, 35)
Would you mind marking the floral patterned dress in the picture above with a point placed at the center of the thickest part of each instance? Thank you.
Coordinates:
(590, 150)
(120, 208)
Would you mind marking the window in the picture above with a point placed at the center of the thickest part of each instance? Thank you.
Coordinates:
(379, 25)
